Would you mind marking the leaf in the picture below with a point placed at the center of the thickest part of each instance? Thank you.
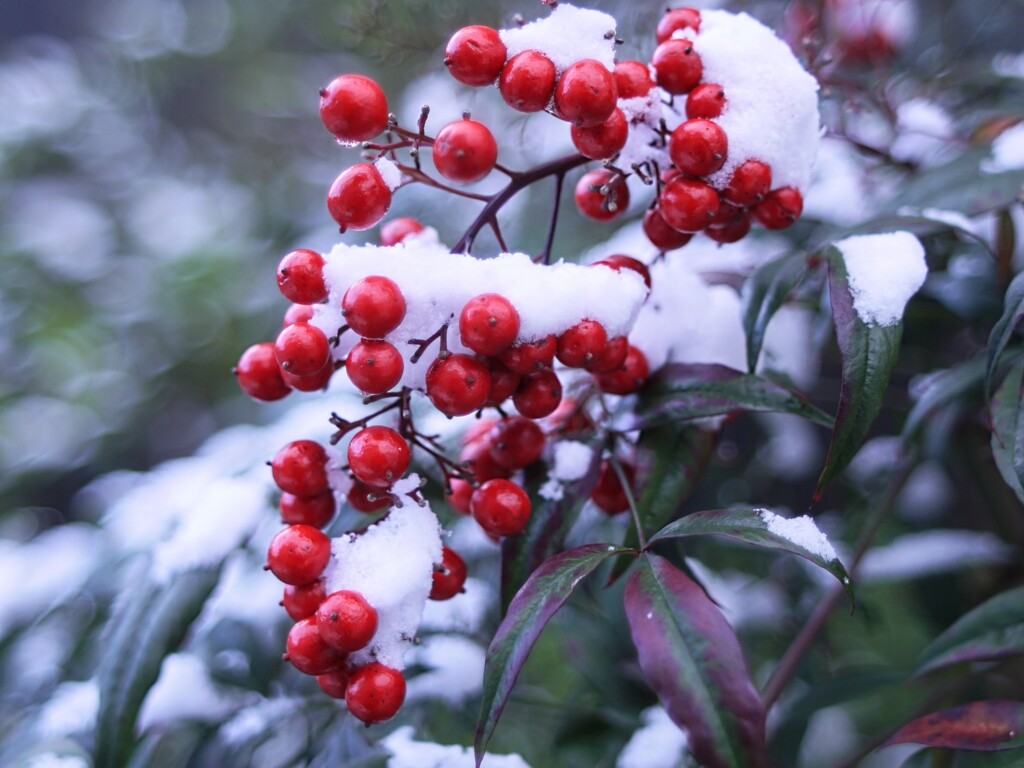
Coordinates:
(763, 293)
(960, 185)
(1008, 430)
(992, 630)
(985, 726)
(1002, 331)
(145, 630)
(747, 524)
(691, 658)
(541, 596)
(682, 391)
(868, 353)
(942, 388)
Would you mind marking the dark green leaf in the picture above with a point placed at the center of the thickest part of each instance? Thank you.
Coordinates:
(943, 388)
(985, 726)
(541, 596)
(960, 185)
(1002, 331)
(1008, 430)
(691, 658)
(993, 630)
(763, 293)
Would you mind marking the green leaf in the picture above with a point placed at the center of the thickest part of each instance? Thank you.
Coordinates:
(1008, 430)
(993, 630)
(149, 626)
(690, 656)
(960, 185)
(541, 596)
(749, 524)
(868, 353)
(683, 391)
(763, 293)
(1002, 331)
(985, 726)
(942, 388)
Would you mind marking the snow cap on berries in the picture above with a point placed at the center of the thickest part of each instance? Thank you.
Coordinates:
(568, 35)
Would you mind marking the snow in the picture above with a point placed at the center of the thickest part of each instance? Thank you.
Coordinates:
(659, 743)
(53, 760)
(839, 192)
(916, 555)
(1009, 64)
(572, 460)
(71, 709)
(258, 718)
(885, 270)
(924, 130)
(465, 613)
(643, 143)
(1007, 151)
(184, 691)
(568, 35)
(801, 531)
(895, 20)
(389, 171)
(456, 669)
(406, 752)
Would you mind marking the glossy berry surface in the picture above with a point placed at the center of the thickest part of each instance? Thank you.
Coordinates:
(373, 307)
(602, 195)
(604, 140)
(300, 468)
(619, 262)
(334, 683)
(316, 510)
(375, 693)
(688, 205)
(259, 374)
(608, 493)
(676, 19)
(488, 324)
(516, 442)
(449, 577)
(378, 456)
(460, 495)
(374, 367)
(501, 507)
(465, 151)
(528, 81)
(707, 100)
(677, 66)
(298, 554)
(749, 184)
(398, 230)
(538, 394)
(585, 94)
(530, 356)
(359, 198)
(662, 236)
(308, 652)
(354, 108)
(698, 147)
(365, 498)
(780, 208)
(458, 384)
(632, 79)
(504, 382)
(475, 55)
(312, 382)
(611, 357)
(347, 622)
(731, 231)
(300, 277)
(302, 349)
(302, 601)
(476, 458)
(582, 343)
(628, 378)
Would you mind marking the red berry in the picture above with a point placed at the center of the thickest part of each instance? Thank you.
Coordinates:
(259, 374)
(354, 108)
(515, 442)
(661, 235)
(608, 494)
(687, 204)
(780, 208)
(628, 378)
(632, 79)
(373, 307)
(530, 356)
(378, 456)
(461, 493)
(676, 19)
(458, 384)
(308, 652)
(313, 382)
(677, 66)
(488, 324)
(375, 367)
(698, 147)
(581, 344)
(365, 498)
(346, 621)
(359, 198)
(602, 195)
(397, 230)
(476, 458)
(585, 94)
(475, 55)
(302, 601)
(375, 693)
(298, 313)
(504, 382)
(612, 356)
(731, 231)
(300, 276)
(449, 576)
(465, 151)
(300, 468)
(334, 684)
(298, 554)
(619, 262)
(480, 429)
(528, 81)
(538, 394)
(501, 507)
(707, 100)
(302, 349)
(316, 510)
(749, 184)
(604, 140)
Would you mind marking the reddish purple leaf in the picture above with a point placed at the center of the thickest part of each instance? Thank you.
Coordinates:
(983, 726)
(691, 658)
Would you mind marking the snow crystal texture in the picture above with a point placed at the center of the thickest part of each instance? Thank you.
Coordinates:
(884, 272)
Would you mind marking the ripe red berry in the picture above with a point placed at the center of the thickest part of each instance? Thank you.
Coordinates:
(749, 184)
(316, 510)
(677, 66)
(365, 498)
(608, 494)
(302, 349)
(676, 19)
(354, 108)
(375, 693)
(731, 231)
(780, 208)
(374, 367)
(480, 429)
(300, 276)
(698, 147)
(298, 554)
(308, 652)
(461, 493)
(397, 230)
(604, 140)
(259, 374)
(538, 394)
(475, 55)
(632, 79)
(585, 94)
(347, 622)
(476, 458)
(449, 576)
(378, 456)
(612, 356)
(488, 324)
(300, 468)
(334, 683)
(302, 601)
(515, 442)
(373, 307)
(465, 151)
(501, 507)
(687, 204)
(661, 235)
(314, 381)
(602, 195)
(504, 382)
(628, 378)
(582, 343)
(358, 198)
(707, 100)
(528, 81)
(458, 384)
(530, 356)
(619, 262)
